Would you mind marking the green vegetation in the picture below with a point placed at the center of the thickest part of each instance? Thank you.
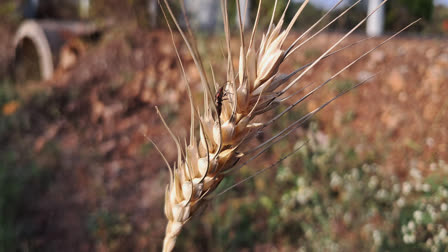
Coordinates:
(21, 178)
(341, 85)
(108, 227)
(328, 198)
(402, 12)
(18, 177)
(7, 11)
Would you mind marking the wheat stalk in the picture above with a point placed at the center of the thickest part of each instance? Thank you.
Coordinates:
(227, 121)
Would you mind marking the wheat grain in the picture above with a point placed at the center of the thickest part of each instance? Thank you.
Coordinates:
(226, 125)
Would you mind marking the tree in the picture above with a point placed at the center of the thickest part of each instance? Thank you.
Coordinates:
(402, 12)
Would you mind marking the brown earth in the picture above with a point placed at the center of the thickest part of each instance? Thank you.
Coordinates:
(107, 183)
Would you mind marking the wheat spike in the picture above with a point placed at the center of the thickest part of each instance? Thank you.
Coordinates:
(226, 125)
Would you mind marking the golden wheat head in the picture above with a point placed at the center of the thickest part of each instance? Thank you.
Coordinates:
(225, 125)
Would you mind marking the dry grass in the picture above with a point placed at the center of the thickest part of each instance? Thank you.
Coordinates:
(228, 120)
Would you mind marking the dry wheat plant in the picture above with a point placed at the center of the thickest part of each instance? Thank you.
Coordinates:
(220, 131)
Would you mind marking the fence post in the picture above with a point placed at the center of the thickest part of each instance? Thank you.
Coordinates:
(245, 13)
(375, 23)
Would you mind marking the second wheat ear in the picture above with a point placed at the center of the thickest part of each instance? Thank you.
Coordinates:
(226, 125)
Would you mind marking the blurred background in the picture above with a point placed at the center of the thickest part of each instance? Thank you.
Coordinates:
(79, 80)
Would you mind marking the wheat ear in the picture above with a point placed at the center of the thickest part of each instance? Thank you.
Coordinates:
(226, 125)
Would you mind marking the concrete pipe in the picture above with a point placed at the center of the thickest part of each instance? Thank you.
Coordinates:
(31, 47)
(41, 46)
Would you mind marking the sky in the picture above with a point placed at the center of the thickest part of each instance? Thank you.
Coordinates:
(444, 2)
(328, 3)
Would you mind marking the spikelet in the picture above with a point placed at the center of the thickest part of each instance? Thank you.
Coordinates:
(227, 124)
